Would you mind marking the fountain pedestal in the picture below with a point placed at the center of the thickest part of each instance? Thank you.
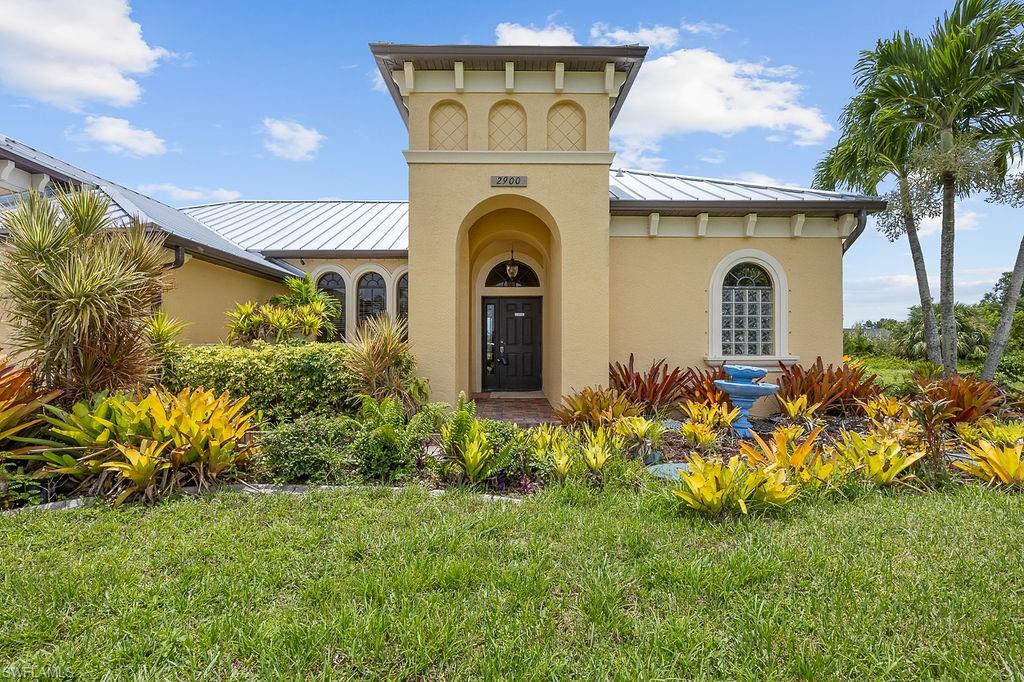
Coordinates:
(744, 392)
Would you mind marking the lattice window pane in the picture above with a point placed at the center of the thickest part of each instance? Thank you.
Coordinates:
(566, 128)
(448, 127)
(506, 130)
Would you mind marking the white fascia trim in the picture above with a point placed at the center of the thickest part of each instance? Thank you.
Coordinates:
(780, 288)
(492, 157)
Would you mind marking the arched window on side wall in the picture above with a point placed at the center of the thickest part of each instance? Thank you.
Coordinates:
(402, 301)
(371, 297)
(748, 312)
(333, 284)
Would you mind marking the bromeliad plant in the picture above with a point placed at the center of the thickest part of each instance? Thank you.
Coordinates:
(799, 408)
(879, 459)
(997, 464)
(712, 415)
(805, 461)
(998, 433)
(640, 436)
(147, 446)
(836, 390)
(595, 407)
(654, 390)
(713, 487)
(699, 436)
(969, 398)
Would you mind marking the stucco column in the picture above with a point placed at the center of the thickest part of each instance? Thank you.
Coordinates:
(583, 280)
(433, 297)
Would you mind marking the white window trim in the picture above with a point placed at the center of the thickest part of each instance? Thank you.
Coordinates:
(396, 276)
(321, 270)
(352, 318)
(780, 289)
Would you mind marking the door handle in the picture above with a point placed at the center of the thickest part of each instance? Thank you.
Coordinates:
(501, 353)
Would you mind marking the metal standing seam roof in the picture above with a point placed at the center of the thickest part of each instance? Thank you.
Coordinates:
(340, 228)
(181, 229)
(381, 228)
(642, 190)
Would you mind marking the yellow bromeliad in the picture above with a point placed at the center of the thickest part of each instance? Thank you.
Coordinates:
(994, 463)
(562, 458)
(712, 415)
(698, 435)
(712, 486)
(804, 460)
(998, 433)
(140, 467)
(884, 407)
(799, 408)
(879, 458)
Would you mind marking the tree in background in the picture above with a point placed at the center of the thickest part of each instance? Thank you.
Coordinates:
(81, 290)
(1011, 192)
(958, 89)
(862, 159)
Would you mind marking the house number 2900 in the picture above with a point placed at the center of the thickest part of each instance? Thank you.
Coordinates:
(508, 181)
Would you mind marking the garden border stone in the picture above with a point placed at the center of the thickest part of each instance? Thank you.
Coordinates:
(261, 489)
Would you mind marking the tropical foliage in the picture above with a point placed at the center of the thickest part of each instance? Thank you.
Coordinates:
(837, 390)
(380, 363)
(145, 446)
(80, 290)
(304, 313)
(596, 406)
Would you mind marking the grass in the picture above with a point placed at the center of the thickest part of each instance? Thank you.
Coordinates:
(572, 583)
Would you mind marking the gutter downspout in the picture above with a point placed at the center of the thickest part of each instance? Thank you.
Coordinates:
(862, 222)
(179, 259)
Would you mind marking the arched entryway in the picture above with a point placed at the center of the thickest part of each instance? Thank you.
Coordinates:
(512, 327)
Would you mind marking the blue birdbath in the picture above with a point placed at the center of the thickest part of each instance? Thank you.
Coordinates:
(744, 393)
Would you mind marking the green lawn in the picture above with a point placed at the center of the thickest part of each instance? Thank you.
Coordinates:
(571, 583)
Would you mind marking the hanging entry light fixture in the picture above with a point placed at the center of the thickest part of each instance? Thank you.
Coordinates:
(512, 266)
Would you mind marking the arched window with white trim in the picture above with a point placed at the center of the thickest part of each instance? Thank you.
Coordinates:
(748, 318)
(333, 283)
(402, 300)
(749, 305)
(371, 297)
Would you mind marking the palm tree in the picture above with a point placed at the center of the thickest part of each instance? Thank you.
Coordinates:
(961, 83)
(859, 162)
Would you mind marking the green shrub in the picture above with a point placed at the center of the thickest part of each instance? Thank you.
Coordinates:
(314, 448)
(284, 382)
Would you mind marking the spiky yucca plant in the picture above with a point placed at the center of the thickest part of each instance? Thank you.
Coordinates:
(81, 289)
(381, 363)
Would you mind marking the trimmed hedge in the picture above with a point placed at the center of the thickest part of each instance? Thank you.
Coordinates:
(285, 382)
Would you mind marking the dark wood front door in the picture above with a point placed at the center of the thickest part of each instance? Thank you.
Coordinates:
(511, 343)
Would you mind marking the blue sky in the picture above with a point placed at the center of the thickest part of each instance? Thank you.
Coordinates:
(198, 101)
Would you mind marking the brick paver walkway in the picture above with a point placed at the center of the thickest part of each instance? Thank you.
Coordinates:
(525, 412)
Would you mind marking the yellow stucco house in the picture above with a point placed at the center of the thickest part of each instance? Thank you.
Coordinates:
(524, 259)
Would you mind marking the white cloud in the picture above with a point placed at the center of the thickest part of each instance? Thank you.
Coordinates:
(69, 52)
(377, 81)
(712, 156)
(696, 90)
(709, 28)
(890, 295)
(176, 193)
(291, 140)
(966, 221)
(119, 137)
(756, 178)
(508, 33)
(657, 36)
